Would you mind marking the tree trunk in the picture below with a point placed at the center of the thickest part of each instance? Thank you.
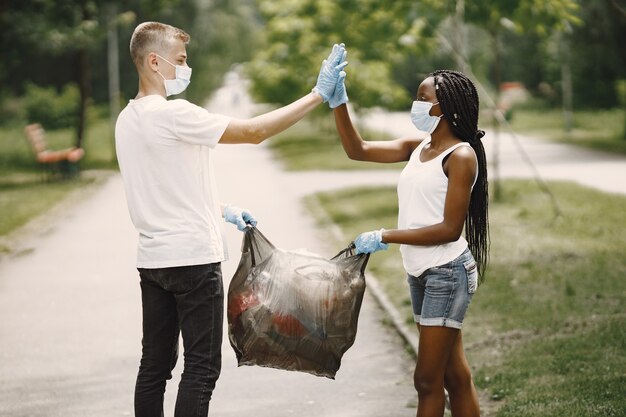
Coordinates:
(458, 37)
(622, 12)
(113, 70)
(497, 74)
(617, 8)
(566, 84)
(82, 64)
(624, 134)
(84, 82)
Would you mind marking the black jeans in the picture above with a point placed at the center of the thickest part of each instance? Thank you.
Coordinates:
(187, 300)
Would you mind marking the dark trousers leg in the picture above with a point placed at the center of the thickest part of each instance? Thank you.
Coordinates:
(191, 299)
(201, 312)
(159, 348)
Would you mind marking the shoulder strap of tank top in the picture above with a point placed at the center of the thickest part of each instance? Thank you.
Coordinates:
(452, 148)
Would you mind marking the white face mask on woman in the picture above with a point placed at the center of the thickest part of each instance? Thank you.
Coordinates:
(178, 84)
(421, 118)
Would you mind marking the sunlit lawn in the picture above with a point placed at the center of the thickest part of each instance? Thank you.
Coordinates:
(601, 129)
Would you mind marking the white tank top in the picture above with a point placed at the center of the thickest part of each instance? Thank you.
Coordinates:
(422, 189)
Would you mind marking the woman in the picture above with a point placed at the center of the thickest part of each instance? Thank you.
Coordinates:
(442, 189)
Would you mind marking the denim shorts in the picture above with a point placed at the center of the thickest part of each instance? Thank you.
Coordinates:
(441, 295)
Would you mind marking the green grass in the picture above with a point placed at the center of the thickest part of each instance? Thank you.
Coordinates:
(23, 194)
(315, 145)
(546, 332)
(600, 129)
(568, 374)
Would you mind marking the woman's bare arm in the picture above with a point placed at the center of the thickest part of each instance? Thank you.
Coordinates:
(461, 173)
(373, 151)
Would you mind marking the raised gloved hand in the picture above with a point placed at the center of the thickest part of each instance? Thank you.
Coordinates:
(340, 96)
(329, 72)
(239, 217)
(369, 242)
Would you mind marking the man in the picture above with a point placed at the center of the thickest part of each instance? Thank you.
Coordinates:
(164, 149)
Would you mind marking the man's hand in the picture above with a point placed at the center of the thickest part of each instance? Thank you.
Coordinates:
(369, 242)
(340, 95)
(329, 72)
(239, 217)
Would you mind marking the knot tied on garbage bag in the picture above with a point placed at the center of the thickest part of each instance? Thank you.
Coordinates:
(291, 310)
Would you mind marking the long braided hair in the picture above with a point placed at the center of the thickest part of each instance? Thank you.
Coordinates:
(458, 99)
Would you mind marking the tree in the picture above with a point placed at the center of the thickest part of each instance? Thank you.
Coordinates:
(223, 32)
(620, 10)
(530, 17)
(55, 42)
(540, 17)
(65, 29)
(299, 33)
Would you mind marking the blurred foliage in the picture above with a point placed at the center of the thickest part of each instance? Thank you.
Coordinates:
(41, 41)
(536, 18)
(53, 110)
(598, 56)
(392, 45)
(532, 37)
(224, 32)
(299, 35)
(541, 17)
(385, 41)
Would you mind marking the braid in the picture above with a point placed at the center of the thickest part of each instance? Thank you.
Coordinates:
(459, 103)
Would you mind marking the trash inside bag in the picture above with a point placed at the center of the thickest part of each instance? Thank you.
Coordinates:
(292, 310)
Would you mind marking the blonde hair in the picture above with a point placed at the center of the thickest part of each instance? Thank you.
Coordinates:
(153, 37)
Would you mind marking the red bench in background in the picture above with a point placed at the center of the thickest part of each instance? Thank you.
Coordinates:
(63, 162)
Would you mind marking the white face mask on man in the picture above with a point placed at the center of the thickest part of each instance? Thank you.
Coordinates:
(178, 84)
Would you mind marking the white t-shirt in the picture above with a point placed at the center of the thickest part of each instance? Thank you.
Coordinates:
(422, 189)
(164, 153)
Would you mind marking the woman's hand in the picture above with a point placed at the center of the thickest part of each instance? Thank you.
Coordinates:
(369, 242)
(340, 96)
(329, 72)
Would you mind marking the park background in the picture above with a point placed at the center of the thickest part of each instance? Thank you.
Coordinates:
(547, 336)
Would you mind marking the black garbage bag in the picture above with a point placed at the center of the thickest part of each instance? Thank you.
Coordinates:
(291, 310)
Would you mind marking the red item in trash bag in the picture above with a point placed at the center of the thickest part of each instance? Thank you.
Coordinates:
(294, 311)
(240, 303)
(288, 325)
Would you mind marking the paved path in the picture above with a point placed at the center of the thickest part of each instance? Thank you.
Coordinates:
(71, 316)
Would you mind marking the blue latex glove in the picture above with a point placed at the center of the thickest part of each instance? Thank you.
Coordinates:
(329, 72)
(340, 96)
(369, 242)
(239, 217)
